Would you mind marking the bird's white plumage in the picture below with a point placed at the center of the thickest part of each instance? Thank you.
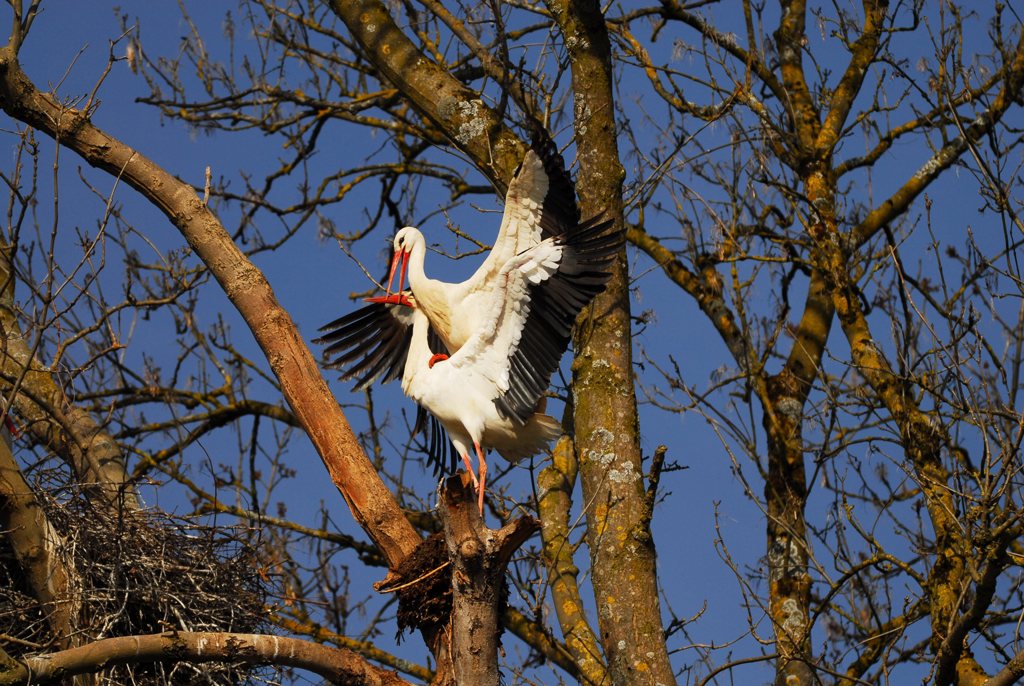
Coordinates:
(455, 308)
(460, 392)
(520, 222)
(489, 351)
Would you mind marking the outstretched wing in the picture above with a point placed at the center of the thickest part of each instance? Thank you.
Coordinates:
(535, 303)
(559, 213)
(377, 338)
(540, 203)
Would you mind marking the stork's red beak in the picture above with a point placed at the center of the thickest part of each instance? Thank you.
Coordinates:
(405, 266)
(402, 257)
(391, 272)
(396, 299)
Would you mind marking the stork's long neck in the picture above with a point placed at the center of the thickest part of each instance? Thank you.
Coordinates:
(430, 294)
(418, 355)
(417, 277)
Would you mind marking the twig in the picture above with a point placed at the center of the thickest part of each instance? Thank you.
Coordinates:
(657, 462)
(415, 581)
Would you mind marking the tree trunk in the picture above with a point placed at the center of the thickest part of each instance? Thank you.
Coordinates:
(607, 427)
(478, 556)
(40, 552)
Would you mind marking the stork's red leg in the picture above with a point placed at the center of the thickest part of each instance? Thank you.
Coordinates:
(483, 476)
(469, 468)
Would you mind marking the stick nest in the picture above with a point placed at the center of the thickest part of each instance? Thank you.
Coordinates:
(142, 572)
(426, 602)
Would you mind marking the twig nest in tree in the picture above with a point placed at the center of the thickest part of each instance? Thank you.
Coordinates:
(427, 599)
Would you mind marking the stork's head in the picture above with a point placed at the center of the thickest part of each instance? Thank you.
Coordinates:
(404, 242)
(406, 239)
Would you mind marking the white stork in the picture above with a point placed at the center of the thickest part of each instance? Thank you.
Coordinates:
(540, 204)
(393, 338)
(505, 329)
(490, 391)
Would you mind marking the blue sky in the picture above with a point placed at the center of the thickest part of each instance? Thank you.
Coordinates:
(313, 278)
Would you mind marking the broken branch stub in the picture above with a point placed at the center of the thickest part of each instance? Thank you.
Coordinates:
(479, 556)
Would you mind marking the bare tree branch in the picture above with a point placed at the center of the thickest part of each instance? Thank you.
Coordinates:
(337, 665)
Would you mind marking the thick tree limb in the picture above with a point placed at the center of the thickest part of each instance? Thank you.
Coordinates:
(38, 548)
(303, 387)
(472, 126)
(922, 440)
(364, 648)
(1010, 674)
(555, 485)
(491, 65)
(479, 556)
(953, 659)
(337, 665)
(804, 360)
(535, 635)
(801, 105)
(607, 425)
(864, 49)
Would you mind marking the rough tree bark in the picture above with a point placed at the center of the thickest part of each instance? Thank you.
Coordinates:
(479, 556)
(39, 550)
(337, 665)
(623, 560)
(467, 122)
(555, 485)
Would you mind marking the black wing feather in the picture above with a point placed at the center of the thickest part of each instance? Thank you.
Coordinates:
(377, 340)
(435, 443)
(559, 213)
(434, 342)
(554, 306)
